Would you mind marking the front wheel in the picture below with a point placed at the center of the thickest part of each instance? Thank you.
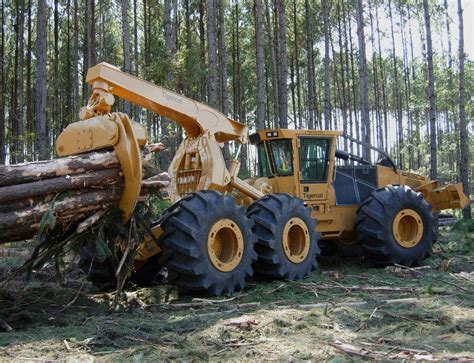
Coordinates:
(396, 225)
(287, 244)
(207, 244)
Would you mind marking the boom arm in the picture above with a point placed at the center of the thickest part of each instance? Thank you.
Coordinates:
(196, 118)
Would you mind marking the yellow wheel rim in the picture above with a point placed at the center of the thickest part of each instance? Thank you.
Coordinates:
(225, 245)
(296, 240)
(407, 228)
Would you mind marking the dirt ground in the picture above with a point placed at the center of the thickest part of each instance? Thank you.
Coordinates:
(346, 310)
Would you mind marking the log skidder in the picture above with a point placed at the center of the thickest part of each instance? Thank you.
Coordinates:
(208, 241)
(396, 225)
(207, 244)
(287, 239)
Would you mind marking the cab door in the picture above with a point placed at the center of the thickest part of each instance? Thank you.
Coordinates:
(315, 168)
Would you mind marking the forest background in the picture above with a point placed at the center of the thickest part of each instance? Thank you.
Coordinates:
(398, 74)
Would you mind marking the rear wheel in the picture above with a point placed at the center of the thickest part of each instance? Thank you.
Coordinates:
(207, 244)
(287, 239)
(396, 225)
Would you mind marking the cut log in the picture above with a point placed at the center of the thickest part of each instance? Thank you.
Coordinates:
(73, 188)
(99, 178)
(76, 202)
(71, 165)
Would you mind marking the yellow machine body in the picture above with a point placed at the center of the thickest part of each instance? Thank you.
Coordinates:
(199, 163)
(336, 219)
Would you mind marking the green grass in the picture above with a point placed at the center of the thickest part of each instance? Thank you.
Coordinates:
(265, 321)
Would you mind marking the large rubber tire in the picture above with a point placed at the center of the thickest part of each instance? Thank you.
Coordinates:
(270, 214)
(187, 227)
(375, 226)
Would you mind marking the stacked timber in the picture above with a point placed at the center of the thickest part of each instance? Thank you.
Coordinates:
(69, 189)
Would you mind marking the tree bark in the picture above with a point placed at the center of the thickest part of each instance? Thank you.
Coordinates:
(297, 66)
(17, 127)
(364, 86)
(274, 68)
(464, 147)
(212, 53)
(71, 165)
(283, 65)
(96, 179)
(224, 93)
(396, 90)
(431, 92)
(327, 79)
(126, 46)
(309, 66)
(260, 62)
(56, 116)
(2, 87)
(41, 48)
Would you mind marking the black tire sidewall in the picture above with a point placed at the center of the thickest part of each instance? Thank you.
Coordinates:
(224, 212)
(292, 207)
(426, 218)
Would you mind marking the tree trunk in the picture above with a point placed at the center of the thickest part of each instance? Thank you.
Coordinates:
(260, 62)
(274, 68)
(297, 65)
(29, 121)
(77, 95)
(41, 48)
(396, 91)
(343, 78)
(224, 93)
(327, 79)
(382, 81)
(431, 92)
(2, 88)
(309, 66)
(202, 48)
(283, 65)
(57, 119)
(17, 127)
(126, 46)
(212, 53)
(378, 125)
(464, 162)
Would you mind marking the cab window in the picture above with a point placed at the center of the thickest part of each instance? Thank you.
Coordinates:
(263, 164)
(314, 159)
(282, 153)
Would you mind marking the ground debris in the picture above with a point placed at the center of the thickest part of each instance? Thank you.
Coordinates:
(316, 286)
(243, 324)
(402, 353)
(469, 276)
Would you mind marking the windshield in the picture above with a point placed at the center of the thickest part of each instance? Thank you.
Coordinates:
(263, 165)
(281, 158)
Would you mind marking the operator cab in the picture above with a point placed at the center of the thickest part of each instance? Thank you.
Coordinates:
(303, 163)
(299, 162)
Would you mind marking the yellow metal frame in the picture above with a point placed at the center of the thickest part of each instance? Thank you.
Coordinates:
(128, 153)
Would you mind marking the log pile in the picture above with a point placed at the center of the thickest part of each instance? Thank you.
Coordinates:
(71, 188)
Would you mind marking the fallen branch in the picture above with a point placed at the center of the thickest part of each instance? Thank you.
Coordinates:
(403, 354)
(358, 303)
(415, 269)
(314, 286)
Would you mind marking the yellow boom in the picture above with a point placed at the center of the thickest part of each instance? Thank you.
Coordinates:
(197, 165)
(195, 117)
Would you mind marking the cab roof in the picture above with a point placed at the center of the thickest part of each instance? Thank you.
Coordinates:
(271, 134)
